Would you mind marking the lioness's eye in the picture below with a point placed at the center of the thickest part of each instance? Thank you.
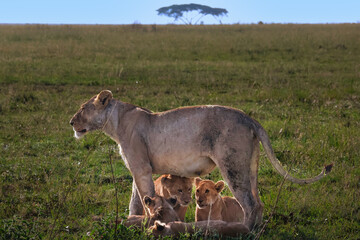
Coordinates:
(197, 190)
(189, 190)
(180, 191)
(207, 190)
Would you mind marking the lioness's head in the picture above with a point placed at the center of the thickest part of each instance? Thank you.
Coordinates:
(178, 188)
(207, 192)
(92, 114)
(160, 209)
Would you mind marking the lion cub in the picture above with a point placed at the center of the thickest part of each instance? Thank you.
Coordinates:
(208, 199)
(159, 209)
(177, 189)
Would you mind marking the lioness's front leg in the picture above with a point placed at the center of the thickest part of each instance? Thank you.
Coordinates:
(144, 186)
(138, 163)
(135, 206)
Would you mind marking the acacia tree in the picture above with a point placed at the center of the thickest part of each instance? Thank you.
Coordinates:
(177, 12)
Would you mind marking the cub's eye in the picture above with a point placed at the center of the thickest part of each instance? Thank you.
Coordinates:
(197, 191)
(207, 191)
(189, 189)
(180, 191)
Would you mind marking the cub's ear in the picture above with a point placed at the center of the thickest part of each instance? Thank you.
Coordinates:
(103, 98)
(219, 186)
(159, 225)
(165, 180)
(148, 201)
(172, 201)
(191, 180)
(197, 181)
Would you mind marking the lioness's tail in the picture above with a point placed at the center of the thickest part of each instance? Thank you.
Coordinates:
(264, 138)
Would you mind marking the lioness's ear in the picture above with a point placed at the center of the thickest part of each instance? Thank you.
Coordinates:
(159, 225)
(219, 186)
(103, 98)
(148, 201)
(197, 181)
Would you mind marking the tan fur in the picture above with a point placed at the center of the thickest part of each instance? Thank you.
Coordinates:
(208, 197)
(176, 189)
(186, 142)
(175, 229)
(159, 209)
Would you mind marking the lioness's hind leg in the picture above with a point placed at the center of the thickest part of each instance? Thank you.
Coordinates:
(236, 168)
(253, 179)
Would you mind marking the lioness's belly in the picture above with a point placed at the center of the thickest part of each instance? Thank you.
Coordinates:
(174, 143)
(190, 166)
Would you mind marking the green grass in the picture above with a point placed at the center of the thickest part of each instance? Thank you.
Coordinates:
(301, 82)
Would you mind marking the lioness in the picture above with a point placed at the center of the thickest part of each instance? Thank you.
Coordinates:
(210, 205)
(230, 229)
(159, 209)
(178, 188)
(187, 142)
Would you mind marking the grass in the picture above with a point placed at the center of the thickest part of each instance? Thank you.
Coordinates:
(301, 82)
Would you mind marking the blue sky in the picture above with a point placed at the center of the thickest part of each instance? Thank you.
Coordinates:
(131, 11)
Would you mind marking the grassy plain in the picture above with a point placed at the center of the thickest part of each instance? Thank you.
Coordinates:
(301, 82)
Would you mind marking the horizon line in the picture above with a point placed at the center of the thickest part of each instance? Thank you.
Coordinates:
(164, 24)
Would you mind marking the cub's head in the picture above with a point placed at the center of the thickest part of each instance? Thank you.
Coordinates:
(160, 229)
(178, 188)
(160, 209)
(92, 114)
(207, 192)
